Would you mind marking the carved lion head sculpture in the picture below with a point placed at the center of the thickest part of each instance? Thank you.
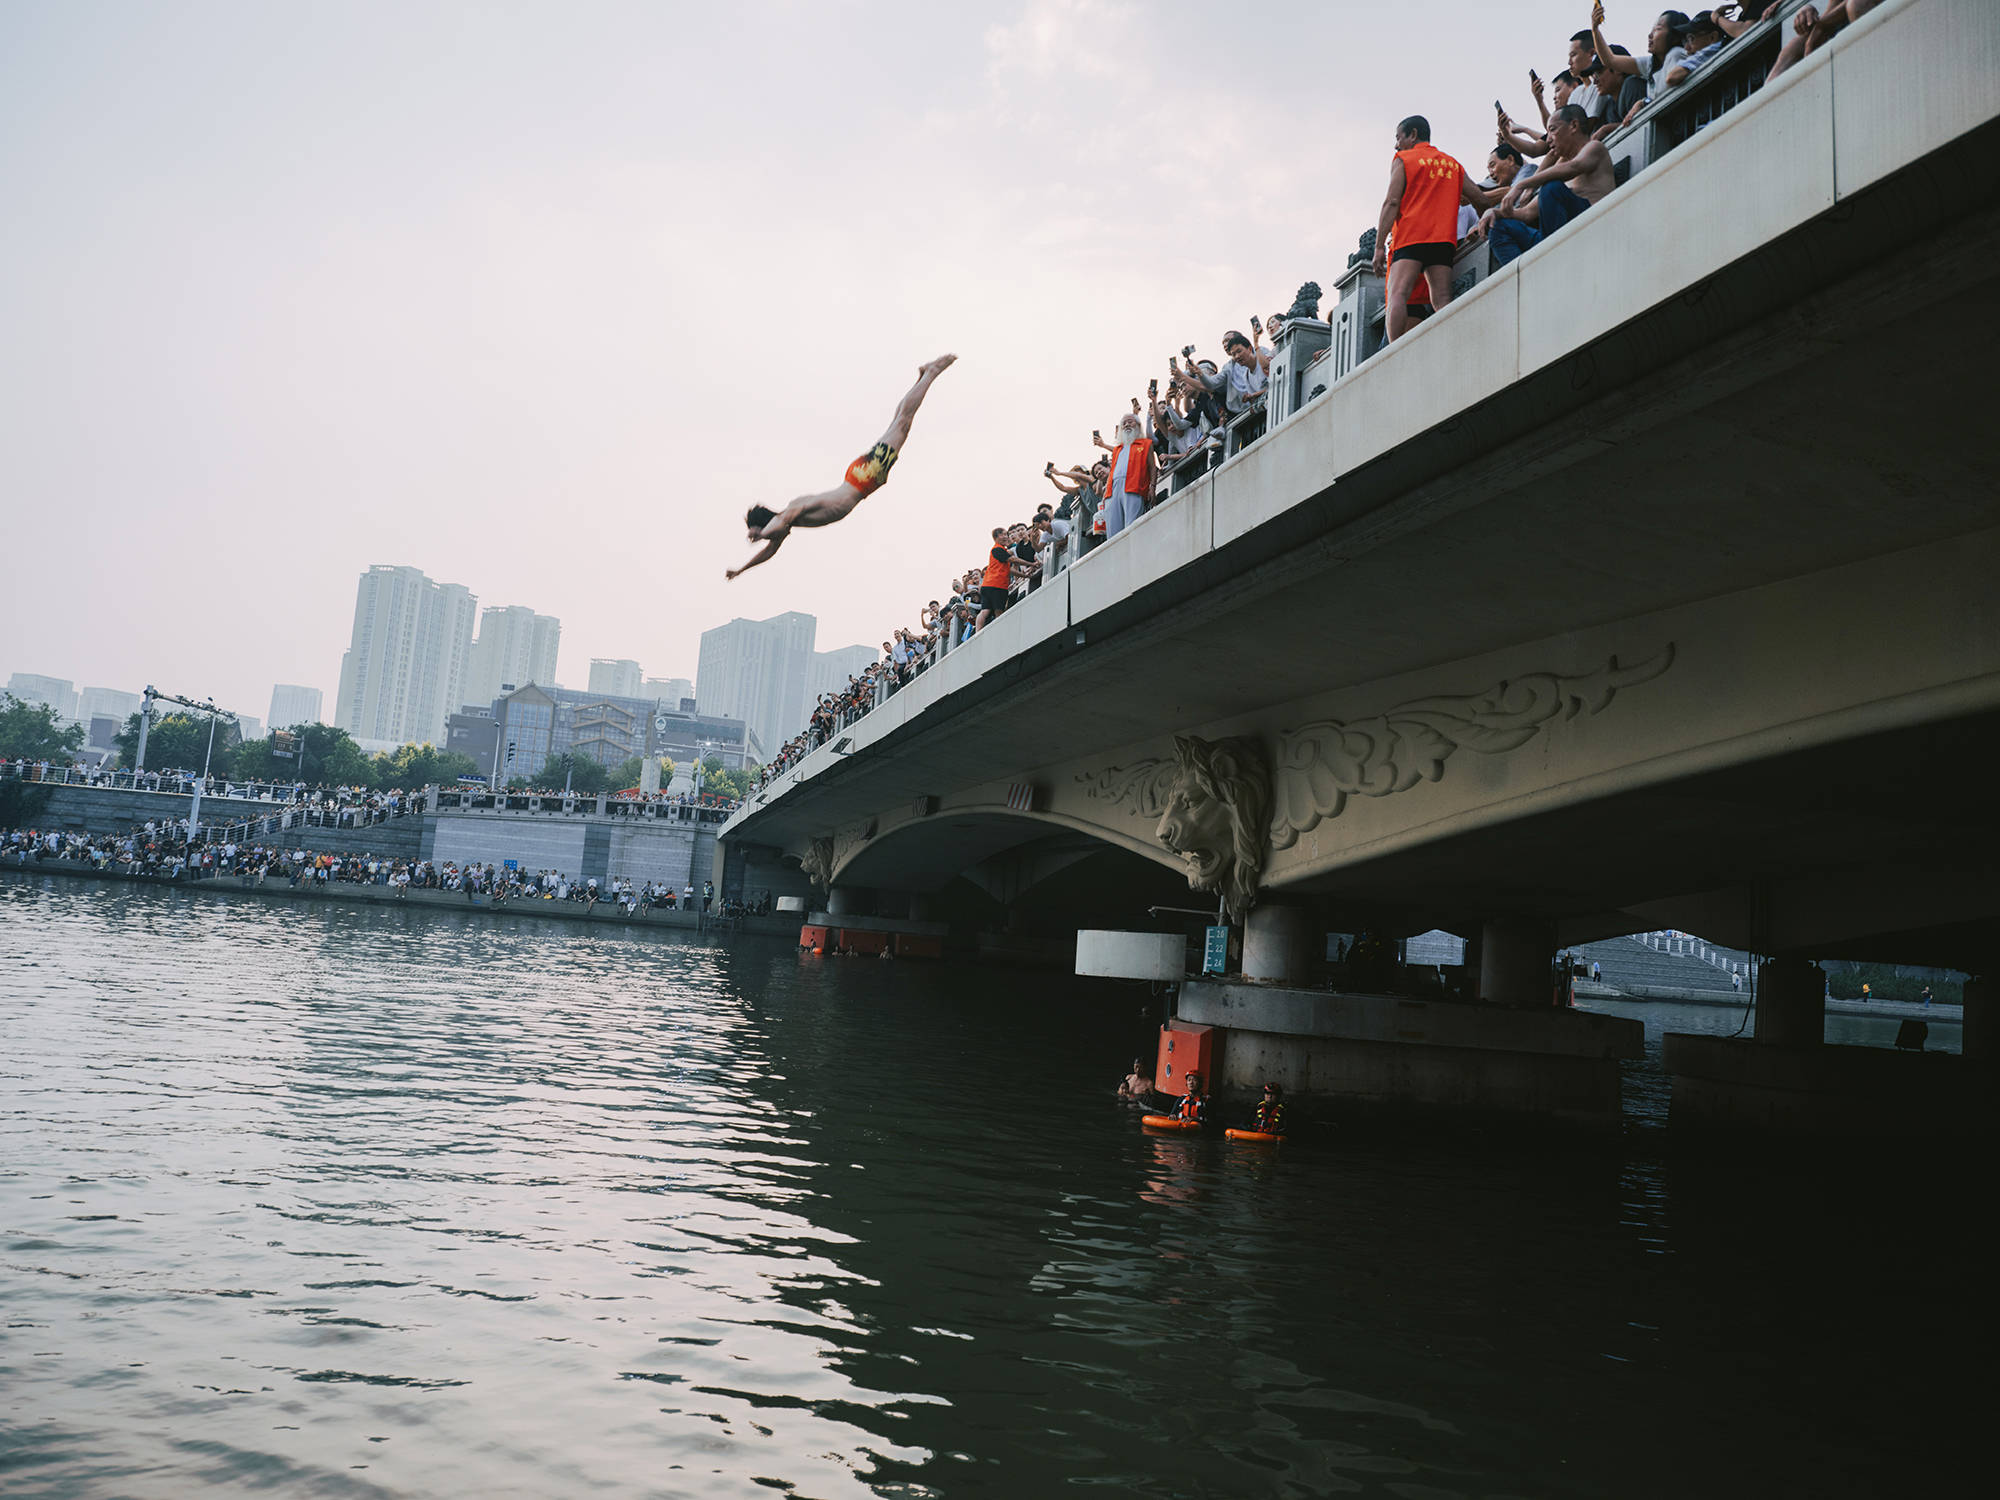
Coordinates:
(1218, 814)
(817, 862)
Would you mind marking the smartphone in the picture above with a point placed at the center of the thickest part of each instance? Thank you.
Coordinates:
(1188, 353)
(1096, 436)
(1533, 76)
(1152, 387)
(1499, 108)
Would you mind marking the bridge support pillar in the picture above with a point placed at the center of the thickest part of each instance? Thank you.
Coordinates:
(1791, 1003)
(1278, 943)
(848, 901)
(1515, 957)
(921, 907)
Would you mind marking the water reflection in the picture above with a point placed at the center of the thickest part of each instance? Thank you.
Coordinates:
(400, 1204)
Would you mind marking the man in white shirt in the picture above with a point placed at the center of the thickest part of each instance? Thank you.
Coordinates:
(1241, 378)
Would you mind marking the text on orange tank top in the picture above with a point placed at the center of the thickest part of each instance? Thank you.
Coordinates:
(1428, 214)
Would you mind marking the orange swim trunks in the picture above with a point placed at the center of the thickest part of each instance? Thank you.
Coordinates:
(870, 472)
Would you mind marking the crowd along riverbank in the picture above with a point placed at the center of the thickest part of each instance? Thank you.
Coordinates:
(255, 888)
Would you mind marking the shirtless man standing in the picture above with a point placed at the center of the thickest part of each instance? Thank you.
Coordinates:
(1577, 175)
(865, 476)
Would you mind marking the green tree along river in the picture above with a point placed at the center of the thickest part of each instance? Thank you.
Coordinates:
(362, 1202)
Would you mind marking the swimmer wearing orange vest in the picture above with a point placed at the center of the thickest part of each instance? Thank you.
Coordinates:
(865, 476)
(1194, 1103)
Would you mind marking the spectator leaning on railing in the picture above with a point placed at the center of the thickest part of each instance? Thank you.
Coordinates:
(1130, 484)
(1505, 166)
(1001, 566)
(1708, 32)
(1813, 28)
(1240, 381)
(1664, 52)
(1565, 187)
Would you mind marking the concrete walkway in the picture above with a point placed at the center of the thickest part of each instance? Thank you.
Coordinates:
(605, 912)
(1940, 1014)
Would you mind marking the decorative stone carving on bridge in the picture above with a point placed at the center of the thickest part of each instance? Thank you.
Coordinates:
(1322, 764)
(1218, 807)
(1213, 801)
(817, 862)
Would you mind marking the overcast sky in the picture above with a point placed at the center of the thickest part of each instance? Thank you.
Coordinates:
(539, 298)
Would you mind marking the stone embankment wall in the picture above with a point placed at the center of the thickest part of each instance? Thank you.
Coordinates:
(97, 809)
(586, 847)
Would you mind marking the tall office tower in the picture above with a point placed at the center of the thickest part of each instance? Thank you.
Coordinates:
(831, 669)
(249, 727)
(291, 705)
(107, 703)
(516, 646)
(756, 671)
(404, 668)
(618, 678)
(668, 690)
(58, 693)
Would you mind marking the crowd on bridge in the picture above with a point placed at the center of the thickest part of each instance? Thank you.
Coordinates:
(1538, 179)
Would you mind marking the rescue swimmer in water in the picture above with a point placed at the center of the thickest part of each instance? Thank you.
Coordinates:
(865, 476)
(1190, 1114)
(1270, 1119)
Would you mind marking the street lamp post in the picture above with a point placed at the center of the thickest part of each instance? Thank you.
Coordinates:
(194, 811)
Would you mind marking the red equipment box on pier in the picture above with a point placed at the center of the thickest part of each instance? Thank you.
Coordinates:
(1185, 1049)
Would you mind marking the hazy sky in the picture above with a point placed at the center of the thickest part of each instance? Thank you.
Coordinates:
(538, 298)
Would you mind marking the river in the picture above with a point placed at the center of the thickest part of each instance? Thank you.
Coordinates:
(363, 1202)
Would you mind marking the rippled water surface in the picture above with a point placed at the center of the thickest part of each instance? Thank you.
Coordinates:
(340, 1202)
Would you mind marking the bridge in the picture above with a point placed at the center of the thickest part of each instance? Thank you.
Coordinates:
(1650, 584)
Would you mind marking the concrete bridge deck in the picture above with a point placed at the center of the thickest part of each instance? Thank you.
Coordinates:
(1649, 585)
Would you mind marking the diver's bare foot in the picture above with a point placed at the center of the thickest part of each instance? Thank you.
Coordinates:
(938, 366)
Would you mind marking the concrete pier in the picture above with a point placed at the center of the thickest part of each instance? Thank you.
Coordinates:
(845, 928)
(1384, 1050)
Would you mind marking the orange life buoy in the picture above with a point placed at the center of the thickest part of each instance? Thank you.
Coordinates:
(1168, 1122)
(1252, 1135)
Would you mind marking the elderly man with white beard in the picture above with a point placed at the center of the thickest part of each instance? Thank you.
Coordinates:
(1130, 483)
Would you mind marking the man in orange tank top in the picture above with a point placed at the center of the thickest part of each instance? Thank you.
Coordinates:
(865, 476)
(1421, 214)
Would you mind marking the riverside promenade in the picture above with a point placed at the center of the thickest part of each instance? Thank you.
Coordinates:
(249, 887)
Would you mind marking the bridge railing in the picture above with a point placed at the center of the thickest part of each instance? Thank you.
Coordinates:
(1686, 945)
(170, 782)
(575, 805)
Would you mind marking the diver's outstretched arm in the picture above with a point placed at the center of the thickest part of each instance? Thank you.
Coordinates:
(763, 555)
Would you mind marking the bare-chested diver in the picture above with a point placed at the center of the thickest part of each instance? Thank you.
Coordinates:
(865, 476)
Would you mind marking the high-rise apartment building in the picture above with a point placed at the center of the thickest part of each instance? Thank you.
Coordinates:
(620, 677)
(756, 670)
(107, 703)
(249, 727)
(58, 693)
(668, 690)
(404, 668)
(291, 704)
(831, 669)
(516, 646)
